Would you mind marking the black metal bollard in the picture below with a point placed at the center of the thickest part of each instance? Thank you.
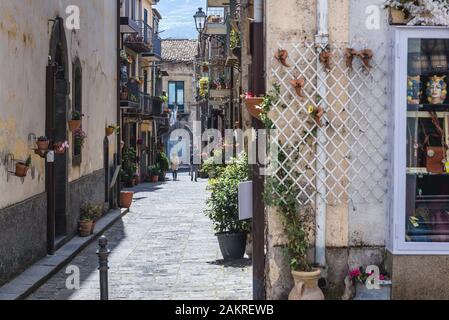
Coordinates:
(103, 254)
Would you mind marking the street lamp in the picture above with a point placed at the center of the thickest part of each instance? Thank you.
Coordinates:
(200, 20)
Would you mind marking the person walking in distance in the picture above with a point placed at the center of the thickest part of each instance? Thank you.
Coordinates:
(175, 162)
(193, 168)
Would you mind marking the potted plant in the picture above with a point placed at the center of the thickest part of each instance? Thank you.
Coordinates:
(42, 143)
(97, 213)
(86, 221)
(253, 104)
(79, 137)
(126, 199)
(75, 122)
(164, 165)
(358, 278)
(154, 172)
(129, 166)
(111, 129)
(298, 226)
(22, 167)
(222, 208)
(61, 147)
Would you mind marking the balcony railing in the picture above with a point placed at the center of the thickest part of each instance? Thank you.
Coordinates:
(141, 41)
(216, 21)
(130, 96)
(151, 106)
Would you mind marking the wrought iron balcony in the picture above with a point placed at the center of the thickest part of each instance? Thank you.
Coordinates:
(156, 52)
(216, 23)
(130, 95)
(151, 106)
(141, 41)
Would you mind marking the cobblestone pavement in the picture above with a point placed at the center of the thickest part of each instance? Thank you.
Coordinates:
(164, 248)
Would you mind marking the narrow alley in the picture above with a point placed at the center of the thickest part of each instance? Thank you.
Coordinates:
(165, 248)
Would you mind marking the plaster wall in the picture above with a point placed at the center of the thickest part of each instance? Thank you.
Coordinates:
(25, 31)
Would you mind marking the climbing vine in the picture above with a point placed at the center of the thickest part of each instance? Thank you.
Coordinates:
(281, 192)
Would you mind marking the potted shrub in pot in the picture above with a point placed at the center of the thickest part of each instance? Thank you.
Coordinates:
(126, 199)
(42, 143)
(154, 173)
(222, 209)
(23, 167)
(75, 122)
(86, 221)
(163, 163)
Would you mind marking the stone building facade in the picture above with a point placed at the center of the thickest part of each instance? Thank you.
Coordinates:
(359, 232)
(82, 77)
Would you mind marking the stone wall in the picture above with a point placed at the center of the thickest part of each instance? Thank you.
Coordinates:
(23, 236)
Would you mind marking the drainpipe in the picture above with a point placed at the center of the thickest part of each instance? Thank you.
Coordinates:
(119, 111)
(321, 41)
(258, 228)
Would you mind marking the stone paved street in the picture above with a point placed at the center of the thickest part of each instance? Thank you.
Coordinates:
(164, 248)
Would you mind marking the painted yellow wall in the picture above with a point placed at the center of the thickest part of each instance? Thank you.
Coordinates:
(25, 32)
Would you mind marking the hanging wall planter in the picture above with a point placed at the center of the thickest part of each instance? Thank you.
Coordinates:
(60, 148)
(23, 167)
(42, 144)
(111, 129)
(75, 123)
(253, 105)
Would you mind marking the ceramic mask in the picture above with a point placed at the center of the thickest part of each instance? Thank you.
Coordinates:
(414, 90)
(436, 90)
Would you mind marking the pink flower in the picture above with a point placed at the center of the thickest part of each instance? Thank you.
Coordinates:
(381, 277)
(355, 273)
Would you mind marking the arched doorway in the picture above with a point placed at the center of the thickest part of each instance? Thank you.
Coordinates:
(56, 130)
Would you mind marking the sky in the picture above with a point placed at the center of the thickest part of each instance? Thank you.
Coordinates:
(177, 18)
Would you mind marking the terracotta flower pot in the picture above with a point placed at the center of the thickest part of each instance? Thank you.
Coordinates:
(43, 145)
(21, 170)
(306, 286)
(154, 179)
(126, 199)
(252, 105)
(85, 228)
(74, 124)
(109, 131)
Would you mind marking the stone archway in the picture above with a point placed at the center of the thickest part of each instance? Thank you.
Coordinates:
(56, 131)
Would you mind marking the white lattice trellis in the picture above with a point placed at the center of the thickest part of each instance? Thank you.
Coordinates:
(354, 130)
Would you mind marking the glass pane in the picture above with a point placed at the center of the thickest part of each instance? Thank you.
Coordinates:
(180, 96)
(171, 93)
(427, 190)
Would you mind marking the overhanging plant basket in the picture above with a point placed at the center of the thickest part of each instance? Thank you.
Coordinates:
(21, 170)
(398, 17)
(110, 131)
(253, 106)
(74, 124)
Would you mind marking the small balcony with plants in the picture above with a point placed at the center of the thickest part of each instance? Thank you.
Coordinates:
(220, 83)
(130, 94)
(142, 41)
(216, 22)
(151, 106)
